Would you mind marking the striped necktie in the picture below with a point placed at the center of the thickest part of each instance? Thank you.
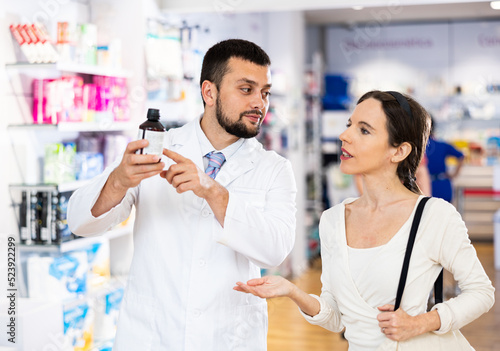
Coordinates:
(215, 161)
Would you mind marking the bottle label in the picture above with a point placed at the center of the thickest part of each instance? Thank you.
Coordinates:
(155, 139)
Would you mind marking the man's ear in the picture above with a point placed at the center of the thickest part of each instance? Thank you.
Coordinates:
(209, 92)
(401, 152)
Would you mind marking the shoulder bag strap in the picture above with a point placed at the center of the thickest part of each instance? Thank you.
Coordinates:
(438, 289)
(409, 248)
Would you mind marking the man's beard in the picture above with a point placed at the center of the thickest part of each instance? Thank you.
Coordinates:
(237, 128)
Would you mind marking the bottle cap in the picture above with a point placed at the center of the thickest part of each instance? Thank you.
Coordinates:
(153, 114)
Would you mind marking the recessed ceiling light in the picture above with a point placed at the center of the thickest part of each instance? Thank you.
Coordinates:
(495, 5)
(357, 8)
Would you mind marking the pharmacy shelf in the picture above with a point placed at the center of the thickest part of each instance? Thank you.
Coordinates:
(63, 187)
(76, 244)
(73, 68)
(111, 126)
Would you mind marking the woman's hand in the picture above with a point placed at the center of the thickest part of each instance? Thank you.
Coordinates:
(400, 326)
(267, 287)
(276, 286)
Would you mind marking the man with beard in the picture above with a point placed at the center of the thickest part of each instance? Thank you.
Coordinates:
(216, 209)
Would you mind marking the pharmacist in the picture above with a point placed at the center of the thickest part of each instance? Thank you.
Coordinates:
(194, 235)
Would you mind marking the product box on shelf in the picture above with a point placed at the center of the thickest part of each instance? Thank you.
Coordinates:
(59, 163)
(70, 274)
(69, 99)
(38, 218)
(98, 258)
(40, 94)
(88, 165)
(86, 323)
(58, 277)
(58, 100)
(42, 216)
(66, 41)
(34, 43)
(112, 98)
(78, 319)
(38, 324)
(24, 218)
(60, 229)
(107, 307)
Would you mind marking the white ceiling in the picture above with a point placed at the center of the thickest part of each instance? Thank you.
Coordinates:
(340, 11)
(432, 12)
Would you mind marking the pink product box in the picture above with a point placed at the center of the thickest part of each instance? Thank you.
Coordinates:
(68, 99)
(40, 94)
(72, 99)
(121, 109)
(89, 102)
(57, 100)
(112, 96)
(103, 97)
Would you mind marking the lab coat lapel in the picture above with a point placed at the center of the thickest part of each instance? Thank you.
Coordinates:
(185, 142)
(241, 162)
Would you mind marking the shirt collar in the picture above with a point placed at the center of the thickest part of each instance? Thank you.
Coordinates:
(207, 147)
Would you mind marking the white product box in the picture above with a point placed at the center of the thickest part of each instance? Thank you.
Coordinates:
(58, 278)
(38, 325)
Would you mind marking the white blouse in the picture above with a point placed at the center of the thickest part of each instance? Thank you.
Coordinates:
(351, 301)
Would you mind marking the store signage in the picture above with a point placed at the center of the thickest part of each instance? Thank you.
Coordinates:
(389, 44)
(488, 40)
(416, 45)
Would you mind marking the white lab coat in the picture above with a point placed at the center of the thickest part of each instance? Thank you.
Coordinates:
(179, 294)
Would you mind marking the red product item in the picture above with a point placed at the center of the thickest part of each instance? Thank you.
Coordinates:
(24, 42)
(29, 32)
(22, 32)
(17, 35)
(33, 56)
(35, 43)
(48, 52)
(62, 32)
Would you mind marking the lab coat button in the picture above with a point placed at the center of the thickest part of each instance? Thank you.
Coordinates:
(205, 213)
(202, 263)
(196, 313)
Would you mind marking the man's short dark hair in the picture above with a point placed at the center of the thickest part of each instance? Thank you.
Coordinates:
(216, 59)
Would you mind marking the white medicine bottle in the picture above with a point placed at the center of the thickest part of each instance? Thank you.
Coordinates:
(153, 131)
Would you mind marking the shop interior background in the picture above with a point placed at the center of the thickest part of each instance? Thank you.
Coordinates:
(445, 55)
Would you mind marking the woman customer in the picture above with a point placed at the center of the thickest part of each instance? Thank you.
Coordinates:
(363, 240)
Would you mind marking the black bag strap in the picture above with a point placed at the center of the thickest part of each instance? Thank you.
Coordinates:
(438, 288)
(438, 285)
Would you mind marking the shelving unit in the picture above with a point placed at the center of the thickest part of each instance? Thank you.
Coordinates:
(76, 243)
(24, 167)
(313, 154)
(49, 187)
(72, 68)
(477, 200)
(76, 127)
(35, 136)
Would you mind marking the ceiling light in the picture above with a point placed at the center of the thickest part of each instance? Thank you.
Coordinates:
(357, 8)
(495, 5)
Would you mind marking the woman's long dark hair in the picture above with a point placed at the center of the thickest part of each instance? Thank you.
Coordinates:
(402, 128)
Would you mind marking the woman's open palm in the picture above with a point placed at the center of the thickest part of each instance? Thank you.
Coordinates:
(266, 287)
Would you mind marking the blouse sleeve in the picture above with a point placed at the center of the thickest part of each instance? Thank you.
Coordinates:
(457, 255)
(329, 316)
